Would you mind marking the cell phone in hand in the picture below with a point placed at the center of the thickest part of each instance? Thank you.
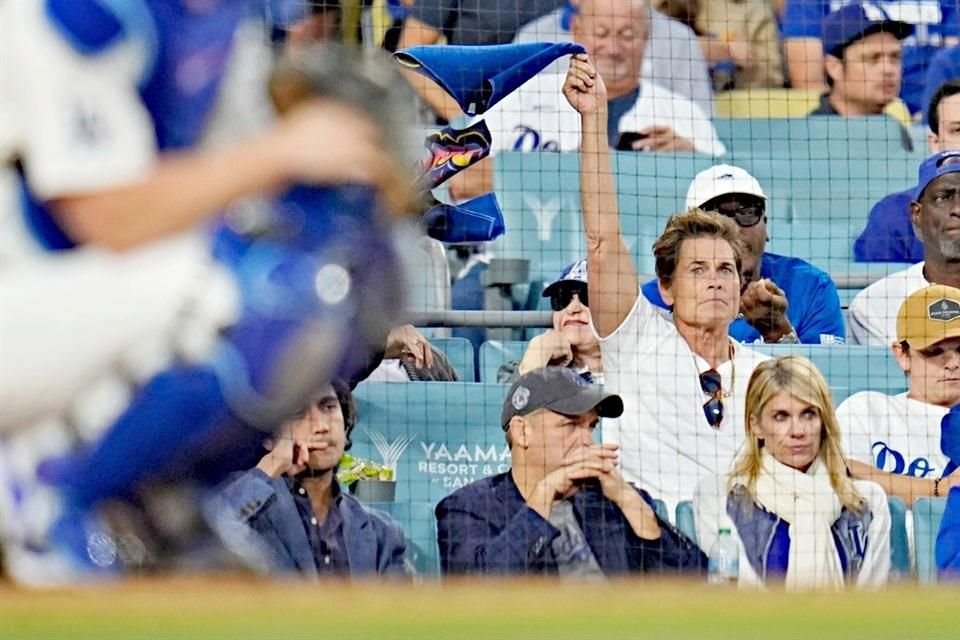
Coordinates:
(627, 138)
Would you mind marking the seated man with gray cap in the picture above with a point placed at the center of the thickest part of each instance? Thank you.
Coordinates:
(563, 508)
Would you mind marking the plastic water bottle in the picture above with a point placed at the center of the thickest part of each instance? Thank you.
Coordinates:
(723, 566)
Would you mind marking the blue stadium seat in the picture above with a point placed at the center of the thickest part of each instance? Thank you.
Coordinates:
(927, 514)
(441, 435)
(460, 353)
(816, 206)
(817, 138)
(661, 508)
(899, 546)
(420, 530)
(494, 353)
(686, 520)
(848, 368)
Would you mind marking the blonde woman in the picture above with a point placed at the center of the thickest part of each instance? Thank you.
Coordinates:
(796, 514)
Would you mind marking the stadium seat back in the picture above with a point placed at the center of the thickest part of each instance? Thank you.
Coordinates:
(815, 207)
(686, 521)
(459, 352)
(927, 514)
(420, 531)
(847, 368)
(817, 137)
(765, 103)
(494, 353)
(899, 546)
(661, 508)
(784, 103)
(437, 435)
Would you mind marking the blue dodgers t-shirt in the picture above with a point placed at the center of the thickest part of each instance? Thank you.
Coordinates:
(889, 234)
(933, 20)
(814, 305)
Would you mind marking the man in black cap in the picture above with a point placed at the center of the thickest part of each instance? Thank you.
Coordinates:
(563, 508)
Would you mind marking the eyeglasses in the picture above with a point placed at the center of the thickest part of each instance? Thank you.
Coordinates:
(744, 216)
(561, 298)
(710, 382)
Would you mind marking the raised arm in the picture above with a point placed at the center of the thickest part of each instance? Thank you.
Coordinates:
(613, 286)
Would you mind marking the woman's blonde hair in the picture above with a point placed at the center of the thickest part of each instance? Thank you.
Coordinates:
(800, 378)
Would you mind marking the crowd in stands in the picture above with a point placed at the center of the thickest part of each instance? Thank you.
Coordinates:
(217, 330)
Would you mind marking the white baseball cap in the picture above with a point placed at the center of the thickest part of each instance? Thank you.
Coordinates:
(719, 180)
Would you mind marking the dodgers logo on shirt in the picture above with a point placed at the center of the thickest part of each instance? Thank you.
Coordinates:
(529, 139)
(891, 460)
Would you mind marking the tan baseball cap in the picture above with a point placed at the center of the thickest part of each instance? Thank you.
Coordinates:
(928, 316)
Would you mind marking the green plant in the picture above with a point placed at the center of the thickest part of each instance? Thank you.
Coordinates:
(353, 469)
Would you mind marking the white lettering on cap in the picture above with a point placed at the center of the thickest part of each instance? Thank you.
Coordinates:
(944, 310)
(520, 398)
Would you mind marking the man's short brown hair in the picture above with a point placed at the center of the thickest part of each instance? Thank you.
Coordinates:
(695, 223)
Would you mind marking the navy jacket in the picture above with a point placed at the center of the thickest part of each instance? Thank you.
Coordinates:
(486, 527)
(261, 515)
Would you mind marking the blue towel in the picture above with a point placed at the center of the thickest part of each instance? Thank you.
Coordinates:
(477, 220)
(478, 77)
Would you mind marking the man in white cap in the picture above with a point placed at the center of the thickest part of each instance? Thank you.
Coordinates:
(895, 441)
(784, 299)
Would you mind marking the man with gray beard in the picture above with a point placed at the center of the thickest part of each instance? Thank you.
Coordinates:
(935, 214)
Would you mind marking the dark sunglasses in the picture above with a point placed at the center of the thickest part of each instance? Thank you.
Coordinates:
(561, 297)
(744, 216)
(712, 408)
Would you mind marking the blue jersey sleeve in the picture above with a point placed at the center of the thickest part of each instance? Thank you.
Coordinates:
(652, 293)
(950, 18)
(889, 234)
(803, 18)
(822, 323)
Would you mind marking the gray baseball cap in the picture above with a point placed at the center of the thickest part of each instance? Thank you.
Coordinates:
(559, 389)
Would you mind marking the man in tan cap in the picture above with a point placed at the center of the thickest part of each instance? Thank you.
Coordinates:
(895, 440)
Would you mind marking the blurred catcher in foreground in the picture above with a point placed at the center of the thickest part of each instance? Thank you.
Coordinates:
(187, 345)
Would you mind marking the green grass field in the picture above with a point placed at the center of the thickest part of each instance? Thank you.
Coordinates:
(233, 608)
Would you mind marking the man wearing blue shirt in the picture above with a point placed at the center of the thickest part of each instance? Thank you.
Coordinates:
(785, 299)
(936, 24)
(889, 235)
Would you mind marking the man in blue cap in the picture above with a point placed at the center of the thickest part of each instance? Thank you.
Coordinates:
(862, 59)
(935, 213)
(936, 23)
(889, 235)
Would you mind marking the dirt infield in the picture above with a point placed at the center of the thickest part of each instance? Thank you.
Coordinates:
(239, 608)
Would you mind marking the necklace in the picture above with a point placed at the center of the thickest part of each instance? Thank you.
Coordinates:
(731, 352)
